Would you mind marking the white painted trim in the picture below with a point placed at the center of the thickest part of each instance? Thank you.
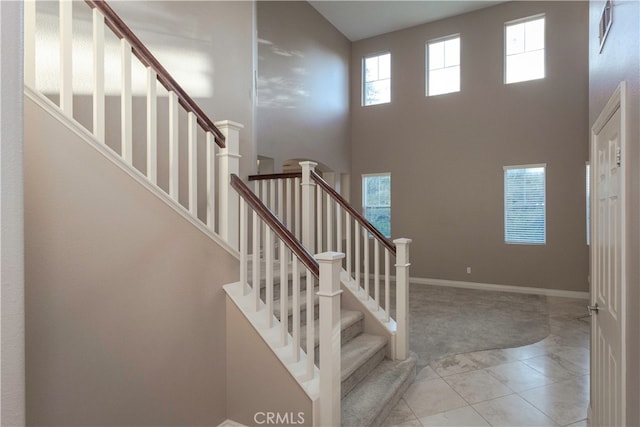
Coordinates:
(55, 112)
(499, 288)
(618, 101)
(271, 337)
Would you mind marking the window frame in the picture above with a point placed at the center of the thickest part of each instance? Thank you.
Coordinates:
(544, 49)
(363, 86)
(364, 205)
(544, 230)
(427, 60)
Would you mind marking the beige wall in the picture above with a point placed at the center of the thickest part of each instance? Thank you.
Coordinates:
(620, 60)
(303, 86)
(125, 313)
(446, 153)
(257, 382)
(12, 359)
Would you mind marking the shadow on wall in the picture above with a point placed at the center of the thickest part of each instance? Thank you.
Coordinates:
(276, 91)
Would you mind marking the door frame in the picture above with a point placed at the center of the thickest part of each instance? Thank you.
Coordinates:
(617, 101)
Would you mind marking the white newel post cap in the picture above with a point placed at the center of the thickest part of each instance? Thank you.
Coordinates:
(329, 257)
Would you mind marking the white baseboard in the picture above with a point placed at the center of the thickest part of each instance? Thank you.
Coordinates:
(500, 288)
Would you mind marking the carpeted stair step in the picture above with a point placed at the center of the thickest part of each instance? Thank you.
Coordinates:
(359, 357)
(303, 306)
(351, 325)
(371, 401)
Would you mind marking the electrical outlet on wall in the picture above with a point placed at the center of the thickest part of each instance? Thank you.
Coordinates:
(468, 270)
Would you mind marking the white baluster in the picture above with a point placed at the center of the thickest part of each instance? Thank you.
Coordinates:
(365, 242)
(66, 56)
(152, 126)
(402, 298)
(311, 342)
(98, 76)
(255, 282)
(387, 280)
(126, 109)
(358, 260)
(243, 247)
(329, 337)
(284, 294)
(330, 229)
(308, 238)
(174, 140)
(272, 195)
(348, 221)
(268, 262)
(280, 194)
(289, 204)
(211, 182)
(193, 163)
(30, 43)
(295, 308)
(338, 227)
(297, 207)
(376, 273)
(319, 223)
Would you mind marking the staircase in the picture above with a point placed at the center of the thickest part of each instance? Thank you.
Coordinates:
(371, 383)
(325, 317)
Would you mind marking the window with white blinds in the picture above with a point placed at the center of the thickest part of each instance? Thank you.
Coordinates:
(525, 204)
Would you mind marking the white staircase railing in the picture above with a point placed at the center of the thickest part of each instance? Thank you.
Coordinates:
(219, 211)
(294, 263)
(324, 221)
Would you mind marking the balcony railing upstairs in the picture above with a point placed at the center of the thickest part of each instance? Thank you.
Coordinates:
(208, 200)
(258, 239)
(325, 221)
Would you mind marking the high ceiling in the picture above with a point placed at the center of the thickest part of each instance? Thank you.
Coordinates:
(359, 20)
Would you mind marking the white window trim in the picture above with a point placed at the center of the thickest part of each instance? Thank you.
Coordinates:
(363, 77)
(504, 47)
(426, 62)
(527, 166)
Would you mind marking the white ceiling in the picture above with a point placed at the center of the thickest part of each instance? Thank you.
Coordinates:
(361, 19)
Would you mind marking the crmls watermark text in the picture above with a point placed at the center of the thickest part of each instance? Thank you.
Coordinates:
(290, 418)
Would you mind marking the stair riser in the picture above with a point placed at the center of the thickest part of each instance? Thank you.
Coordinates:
(359, 374)
(388, 407)
(347, 335)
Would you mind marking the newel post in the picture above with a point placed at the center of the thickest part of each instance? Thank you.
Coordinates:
(329, 337)
(402, 298)
(229, 200)
(308, 205)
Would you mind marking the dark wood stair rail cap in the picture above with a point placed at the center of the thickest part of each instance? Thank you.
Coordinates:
(122, 31)
(338, 198)
(274, 223)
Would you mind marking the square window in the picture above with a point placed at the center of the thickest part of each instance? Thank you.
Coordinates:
(443, 66)
(525, 204)
(524, 46)
(376, 81)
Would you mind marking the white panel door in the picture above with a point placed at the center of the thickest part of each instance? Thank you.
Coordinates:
(607, 271)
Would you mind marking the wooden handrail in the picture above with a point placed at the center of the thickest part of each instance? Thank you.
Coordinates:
(357, 215)
(274, 223)
(282, 175)
(122, 31)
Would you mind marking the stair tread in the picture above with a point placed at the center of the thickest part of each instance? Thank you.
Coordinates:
(289, 304)
(357, 351)
(371, 401)
(347, 318)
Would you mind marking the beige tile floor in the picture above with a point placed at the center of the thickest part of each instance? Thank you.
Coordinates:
(542, 384)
